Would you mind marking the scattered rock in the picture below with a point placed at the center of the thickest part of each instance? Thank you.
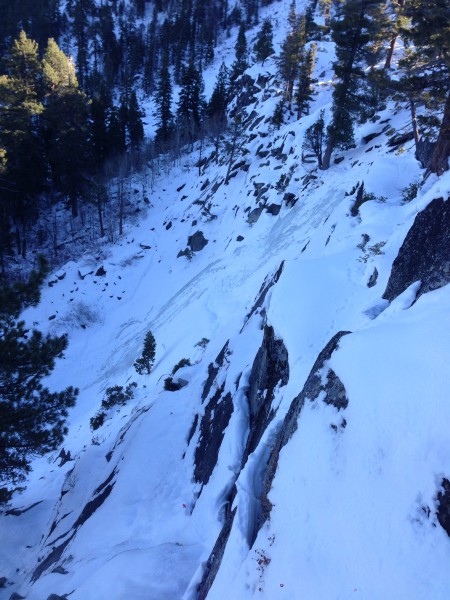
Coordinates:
(290, 199)
(240, 238)
(100, 272)
(197, 241)
(168, 225)
(373, 278)
(424, 254)
(400, 138)
(254, 215)
(273, 209)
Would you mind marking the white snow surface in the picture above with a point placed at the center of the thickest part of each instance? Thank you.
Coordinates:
(354, 507)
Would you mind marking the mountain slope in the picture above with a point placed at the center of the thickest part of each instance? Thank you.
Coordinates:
(305, 455)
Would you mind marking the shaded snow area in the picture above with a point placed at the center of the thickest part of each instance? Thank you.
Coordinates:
(305, 453)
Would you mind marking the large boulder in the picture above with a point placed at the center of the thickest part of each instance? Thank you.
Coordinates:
(424, 254)
(197, 241)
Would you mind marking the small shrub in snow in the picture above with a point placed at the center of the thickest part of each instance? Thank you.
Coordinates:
(184, 362)
(145, 362)
(98, 420)
(170, 385)
(82, 315)
(410, 191)
(116, 395)
(202, 343)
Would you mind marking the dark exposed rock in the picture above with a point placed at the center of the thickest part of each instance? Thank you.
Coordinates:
(443, 510)
(273, 209)
(16, 596)
(400, 138)
(290, 199)
(168, 225)
(254, 215)
(269, 282)
(3, 582)
(64, 456)
(256, 122)
(192, 429)
(424, 152)
(373, 278)
(100, 272)
(16, 512)
(213, 369)
(240, 238)
(270, 369)
(56, 597)
(334, 394)
(368, 138)
(60, 570)
(214, 422)
(424, 254)
(53, 557)
(215, 558)
(197, 241)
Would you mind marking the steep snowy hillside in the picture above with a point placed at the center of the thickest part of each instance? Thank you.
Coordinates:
(304, 451)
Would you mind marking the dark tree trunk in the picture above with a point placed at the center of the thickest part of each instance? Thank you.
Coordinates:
(390, 54)
(412, 107)
(439, 160)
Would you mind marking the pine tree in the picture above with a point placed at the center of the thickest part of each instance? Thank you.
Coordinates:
(135, 125)
(354, 29)
(191, 103)
(164, 128)
(315, 137)
(20, 105)
(292, 55)
(66, 121)
(430, 31)
(241, 59)
(264, 42)
(216, 109)
(145, 362)
(304, 91)
(31, 416)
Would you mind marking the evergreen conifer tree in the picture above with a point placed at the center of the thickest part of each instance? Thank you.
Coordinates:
(430, 31)
(145, 362)
(66, 119)
(241, 58)
(304, 91)
(164, 128)
(20, 105)
(191, 103)
(31, 416)
(292, 55)
(264, 42)
(354, 29)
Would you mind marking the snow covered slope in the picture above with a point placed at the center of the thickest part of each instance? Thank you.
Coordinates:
(305, 456)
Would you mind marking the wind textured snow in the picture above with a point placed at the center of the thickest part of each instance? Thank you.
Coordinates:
(304, 454)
